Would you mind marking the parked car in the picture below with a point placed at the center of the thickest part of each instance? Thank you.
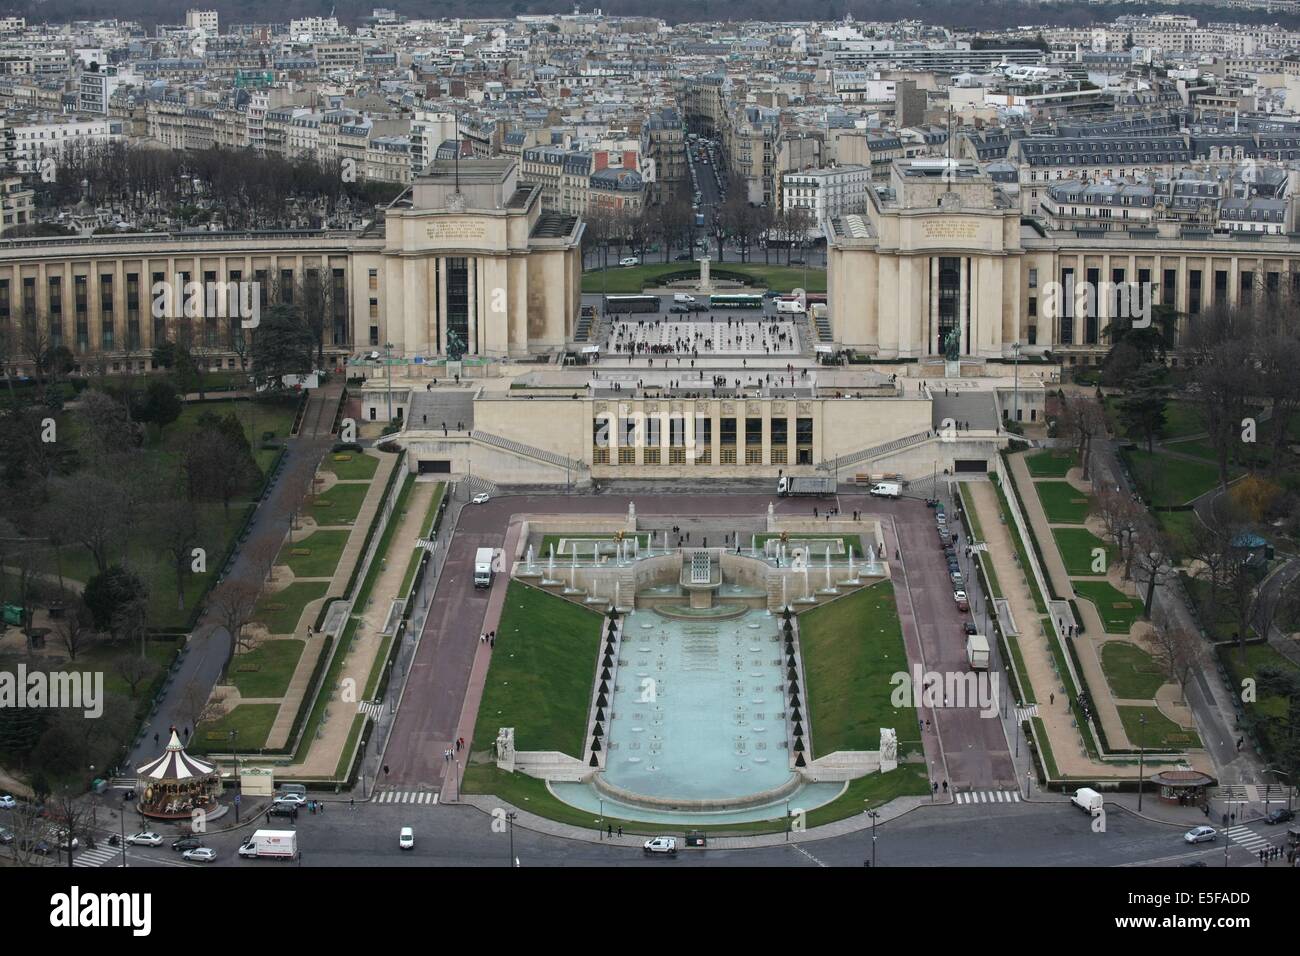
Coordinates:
(683, 257)
(7, 802)
(661, 844)
(406, 839)
(200, 854)
(1201, 834)
(960, 597)
(481, 498)
(1280, 815)
(146, 838)
(284, 810)
(297, 799)
(679, 309)
(630, 261)
(187, 843)
(6, 836)
(969, 627)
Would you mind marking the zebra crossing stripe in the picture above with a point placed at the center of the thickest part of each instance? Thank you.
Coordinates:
(96, 857)
(1248, 838)
(427, 797)
(989, 796)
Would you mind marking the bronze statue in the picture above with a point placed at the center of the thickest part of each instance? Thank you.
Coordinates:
(952, 344)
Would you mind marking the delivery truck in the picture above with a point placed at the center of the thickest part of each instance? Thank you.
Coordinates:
(977, 652)
(1087, 800)
(281, 844)
(483, 568)
(787, 487)
(886, 489)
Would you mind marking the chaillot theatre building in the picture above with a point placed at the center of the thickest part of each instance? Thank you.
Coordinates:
(468, 256)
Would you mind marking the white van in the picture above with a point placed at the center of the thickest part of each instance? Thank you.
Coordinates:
(1087, 800)
(683, 297)
(630, 261)
(406, 839)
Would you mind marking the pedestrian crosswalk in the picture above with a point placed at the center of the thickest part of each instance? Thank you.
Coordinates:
(1245, 836)
(989, 796)
(407, 796)
(98, 857)
(1026, 713)
(371, 709)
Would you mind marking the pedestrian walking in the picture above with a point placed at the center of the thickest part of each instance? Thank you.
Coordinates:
(492, 641)
(352, 803)
(945, 786)
(155, 740)
(620, 831)
(609, 829)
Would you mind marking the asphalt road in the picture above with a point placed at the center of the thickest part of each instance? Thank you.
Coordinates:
(1026, 834)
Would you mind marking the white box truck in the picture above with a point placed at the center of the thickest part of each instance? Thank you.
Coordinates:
(886, 489)
(483, 568)
(787, 487)
(977, 652)
(281, 844)
(1087, 800)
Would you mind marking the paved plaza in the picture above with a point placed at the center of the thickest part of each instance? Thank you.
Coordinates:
(716, 335)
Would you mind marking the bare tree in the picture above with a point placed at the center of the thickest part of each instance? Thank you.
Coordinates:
(233, 603)
(1151, 560)
(134, 671)
(1177, 651)
(74, 630)
(194, 704)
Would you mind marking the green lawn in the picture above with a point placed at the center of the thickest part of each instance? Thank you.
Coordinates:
(105, 657)
(340, 505)
(266, 669)
(632, 279)
(280, 610)
(969, 512)
(1267, 714)
(1130, 671)
(1077, 546)
(253, 721)
(1062, 502)
(257, 418)
(315, 556)
(1178, 525)
(542, 672)
(1160, 733)
(351, 466)
(1118, 611)
(1050, 463)
(850, 649)
(1170, 481)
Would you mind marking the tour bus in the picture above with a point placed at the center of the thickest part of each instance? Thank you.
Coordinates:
(739, 301)
(632, 303)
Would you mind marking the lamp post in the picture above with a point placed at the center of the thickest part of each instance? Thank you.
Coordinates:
(1142, 753)
(874, 815)
(1015, 393)
(388, 369)
(510, 818)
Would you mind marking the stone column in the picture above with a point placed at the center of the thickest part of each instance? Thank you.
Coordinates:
(963, 302)
(931, 331)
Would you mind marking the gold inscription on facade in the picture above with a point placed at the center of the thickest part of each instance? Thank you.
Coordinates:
(950, 229)
(456, 230)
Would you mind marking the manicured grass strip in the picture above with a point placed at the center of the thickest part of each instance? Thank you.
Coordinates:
(1021, 556)
(1050, 463)
(850, 649)
(434, 503)
(350, 465)
(542, 673)
(315, 556)
(1026, 686)
(1062, 502)
(265, 671)
(1170, 481)
(1160, 733)
(280, 610)
(377, 668)
(253, 721)
(1119, 611)
(1077, 547)
(1049, 761)
(1130, 671)
(345, 758)
(969, 512)
(340, 505)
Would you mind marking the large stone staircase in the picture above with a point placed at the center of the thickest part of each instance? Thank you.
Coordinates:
(528, 451)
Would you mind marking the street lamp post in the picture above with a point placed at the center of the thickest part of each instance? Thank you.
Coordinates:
(1142, 752)
(510, 817)
(388, 368)
(1015, 400)
(874, 815)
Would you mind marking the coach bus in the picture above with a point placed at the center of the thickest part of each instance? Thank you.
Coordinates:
(631, 303)
(740, 301)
